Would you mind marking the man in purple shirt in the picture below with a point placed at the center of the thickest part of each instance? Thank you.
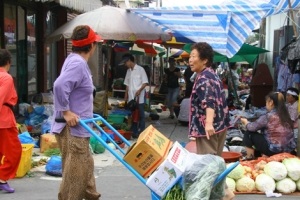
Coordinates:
(73, 100)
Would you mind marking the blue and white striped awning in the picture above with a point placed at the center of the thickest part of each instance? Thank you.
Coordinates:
(225, 26)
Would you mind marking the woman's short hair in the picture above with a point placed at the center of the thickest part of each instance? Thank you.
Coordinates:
(79, 33)
(5, 57)
(205, 52)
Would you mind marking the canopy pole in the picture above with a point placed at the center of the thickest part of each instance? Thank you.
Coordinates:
(290, 12)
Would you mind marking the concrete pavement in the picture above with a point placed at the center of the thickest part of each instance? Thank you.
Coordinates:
(113, 180)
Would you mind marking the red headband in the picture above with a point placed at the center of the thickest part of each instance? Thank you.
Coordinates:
(92, 37)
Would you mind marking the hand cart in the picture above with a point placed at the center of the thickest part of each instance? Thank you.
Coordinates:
(97, 118)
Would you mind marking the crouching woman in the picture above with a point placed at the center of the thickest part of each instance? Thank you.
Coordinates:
(271, 133)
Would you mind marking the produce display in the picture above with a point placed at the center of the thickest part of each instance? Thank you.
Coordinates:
(278, 173)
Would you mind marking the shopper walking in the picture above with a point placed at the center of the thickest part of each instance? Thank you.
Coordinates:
(10, 146)
(73, 100)
(172, 75)
(135, 80)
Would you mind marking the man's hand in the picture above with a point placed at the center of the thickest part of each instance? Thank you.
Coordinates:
(71, 118)
(137, 93)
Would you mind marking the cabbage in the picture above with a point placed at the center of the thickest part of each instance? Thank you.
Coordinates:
(286, 185)
(230, 184)
(245, 184)
(293, 167)
(298, 184)
(265, 183)
(237, 173)
(276, 170)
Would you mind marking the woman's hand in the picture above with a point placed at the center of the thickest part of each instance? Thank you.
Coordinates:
(209, 129)
(244, 121)
(71, 118)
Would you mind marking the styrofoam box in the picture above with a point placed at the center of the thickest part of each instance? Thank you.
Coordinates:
(169, 172)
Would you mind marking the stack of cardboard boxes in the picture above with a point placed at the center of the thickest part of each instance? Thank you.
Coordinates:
(157, 159)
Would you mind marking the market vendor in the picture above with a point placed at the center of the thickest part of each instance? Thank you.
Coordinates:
(272, 132)
(292, 104)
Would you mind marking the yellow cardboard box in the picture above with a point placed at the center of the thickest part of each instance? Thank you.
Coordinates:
(48, 141)
(148, 152)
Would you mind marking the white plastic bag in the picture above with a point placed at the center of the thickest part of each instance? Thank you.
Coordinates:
(200, 173)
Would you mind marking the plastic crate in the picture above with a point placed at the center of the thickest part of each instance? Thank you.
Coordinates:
(116, 118)
(25, 162)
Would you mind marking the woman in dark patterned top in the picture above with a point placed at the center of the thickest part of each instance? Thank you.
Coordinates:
(271, 133)
(209, 117)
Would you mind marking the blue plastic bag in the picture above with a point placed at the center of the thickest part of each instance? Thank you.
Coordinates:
(54, 166)
(25, 138)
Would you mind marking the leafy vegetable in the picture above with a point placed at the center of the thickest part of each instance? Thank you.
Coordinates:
(265, 183)
(298, 184)
(175, 192)
(286, 185)
(237, 173)
(293, 167)
(245, 184)
(230, 184)
(276, 170)
(52, 152)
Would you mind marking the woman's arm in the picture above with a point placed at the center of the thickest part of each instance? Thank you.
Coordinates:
(259, 124)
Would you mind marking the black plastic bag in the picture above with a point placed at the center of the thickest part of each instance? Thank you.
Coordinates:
(132, 105)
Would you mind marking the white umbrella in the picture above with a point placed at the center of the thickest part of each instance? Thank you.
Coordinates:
(113, 23)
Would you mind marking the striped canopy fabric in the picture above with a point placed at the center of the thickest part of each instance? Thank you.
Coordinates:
(225, 26)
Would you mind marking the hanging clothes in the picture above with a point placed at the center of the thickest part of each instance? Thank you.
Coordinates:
(285, 77)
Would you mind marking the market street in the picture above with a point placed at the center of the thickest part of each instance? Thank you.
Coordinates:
(113, 180)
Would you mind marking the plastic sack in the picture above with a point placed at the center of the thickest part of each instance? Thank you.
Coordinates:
(25, 138)
(200, 173)
(54, 166)
(97, 147)
(132, 105)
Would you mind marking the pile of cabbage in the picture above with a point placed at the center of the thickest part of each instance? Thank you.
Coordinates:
(281, 176)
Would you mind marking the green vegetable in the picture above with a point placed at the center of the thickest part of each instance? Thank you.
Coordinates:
(175, 192)
(237, 173)
(265, 183)
(231, 184)
(245, 184)
(286, 185)
(276, 170)
(293, 167)
(52, 152)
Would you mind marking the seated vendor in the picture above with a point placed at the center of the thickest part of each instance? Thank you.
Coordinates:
(182, 109)
(272, 132)
(292, 104)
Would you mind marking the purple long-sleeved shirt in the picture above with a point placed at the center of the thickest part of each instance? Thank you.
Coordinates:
(73, 90)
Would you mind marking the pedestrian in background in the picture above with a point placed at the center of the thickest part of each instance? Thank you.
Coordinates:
(172, 75)
(135, 80)
(73, 100)
(292, 95)
(10, 146)
(187, 79)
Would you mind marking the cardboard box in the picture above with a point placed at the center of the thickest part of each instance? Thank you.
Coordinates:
(169, 172)
(22, 128)
(148, 152)
(48, 141)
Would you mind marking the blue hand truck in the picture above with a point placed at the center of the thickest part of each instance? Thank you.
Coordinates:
(97, 118)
